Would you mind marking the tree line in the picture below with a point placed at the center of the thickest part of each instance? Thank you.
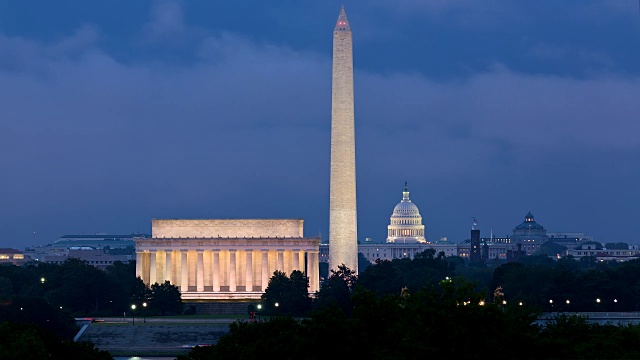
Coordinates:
(38, 304)
(407, 309)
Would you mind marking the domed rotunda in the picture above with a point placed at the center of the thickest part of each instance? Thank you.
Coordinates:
(406, 222)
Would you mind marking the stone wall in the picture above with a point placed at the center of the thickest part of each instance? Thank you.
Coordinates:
(213, 228)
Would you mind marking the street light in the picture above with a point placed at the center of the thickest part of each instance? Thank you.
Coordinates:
(144, 312)
(133, 314)
(42, 280)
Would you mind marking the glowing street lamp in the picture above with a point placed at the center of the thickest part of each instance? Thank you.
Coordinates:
(598, 300)
(42, 280)
(133, 314)
(144, 312)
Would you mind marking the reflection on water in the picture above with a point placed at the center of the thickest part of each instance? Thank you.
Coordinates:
(143, 358)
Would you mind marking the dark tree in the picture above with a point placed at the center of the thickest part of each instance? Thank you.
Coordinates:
(37, 311)
(550, 248)
(165, 299)
(139, 292)
(290, 293)
(617, 246)
(336, 290)
(27, 341)
(381, 278)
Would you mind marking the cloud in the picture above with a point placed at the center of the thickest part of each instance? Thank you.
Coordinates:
(244, 131)
(166, 20)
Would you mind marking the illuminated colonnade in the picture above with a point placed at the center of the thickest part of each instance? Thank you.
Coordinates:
(222, 266)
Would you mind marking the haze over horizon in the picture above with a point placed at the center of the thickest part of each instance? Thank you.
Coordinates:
(114, 113)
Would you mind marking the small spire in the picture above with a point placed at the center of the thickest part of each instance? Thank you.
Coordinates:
(405, 186)
(343, 23)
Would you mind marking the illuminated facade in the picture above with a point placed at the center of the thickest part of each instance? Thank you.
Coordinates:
(530, 235)
(406, 222)
(12, 256)
(225, 259)
(343, 234)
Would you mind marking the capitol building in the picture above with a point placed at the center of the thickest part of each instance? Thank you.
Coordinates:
(405, 236)
(406, 222)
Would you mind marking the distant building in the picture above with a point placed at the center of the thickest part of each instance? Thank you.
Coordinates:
(225, 259)
(94, 257)
(12, 256)
(98, 241)
(529, 235)
(595, 249)
(390, 251)
(406, 222)
(569, 239)
(405, 236)
(475, 251)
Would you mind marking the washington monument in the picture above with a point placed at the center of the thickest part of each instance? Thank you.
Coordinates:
(343, 237)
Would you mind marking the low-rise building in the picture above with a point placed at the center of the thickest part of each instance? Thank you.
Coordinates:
(94, 257)
(12, 256)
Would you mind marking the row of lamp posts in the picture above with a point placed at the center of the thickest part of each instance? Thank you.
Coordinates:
(133, 314)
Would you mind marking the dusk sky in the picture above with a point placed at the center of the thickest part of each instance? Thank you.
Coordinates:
(116, 112)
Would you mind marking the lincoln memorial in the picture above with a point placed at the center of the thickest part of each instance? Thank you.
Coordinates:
(225, 259)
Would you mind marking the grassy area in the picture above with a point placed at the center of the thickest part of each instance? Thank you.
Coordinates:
(172, 323)
(203, 316)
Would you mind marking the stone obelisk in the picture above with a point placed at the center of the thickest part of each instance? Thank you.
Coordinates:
(343, 238)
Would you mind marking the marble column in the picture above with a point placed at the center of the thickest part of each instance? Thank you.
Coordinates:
(265, 269)
(153, 272)
(296, 259)
(249, 270)
(232, 270)
(168, 266)
(184, 273)
(200, 271)
(313, 271)
(216, 270)
(139, 269)
(280, 260)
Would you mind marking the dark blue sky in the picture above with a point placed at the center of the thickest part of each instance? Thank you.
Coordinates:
(116, 112)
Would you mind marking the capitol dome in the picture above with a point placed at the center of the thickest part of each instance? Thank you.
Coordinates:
(406, 222)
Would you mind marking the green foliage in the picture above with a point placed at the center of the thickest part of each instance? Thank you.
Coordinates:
(402, 326)
(27, 342)
(6, 289)
(381, 278)
(336, 290)
(550, 248)
(290, 293)
(165, 299)
(37, 311)
(549, 285)
(572, 337)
